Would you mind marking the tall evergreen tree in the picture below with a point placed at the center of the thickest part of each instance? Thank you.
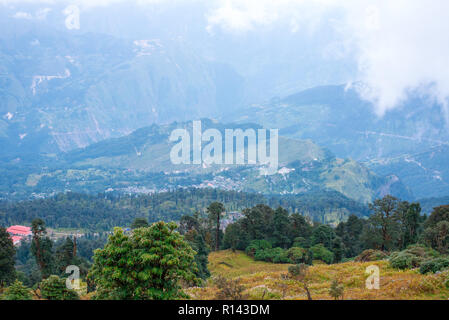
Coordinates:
(7, 258)
(383, 222)
(280, 228)
(42, 247)
(215, 211)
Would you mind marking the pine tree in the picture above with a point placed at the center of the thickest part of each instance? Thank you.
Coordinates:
(41, 247)
(215, 210)
(7, 258)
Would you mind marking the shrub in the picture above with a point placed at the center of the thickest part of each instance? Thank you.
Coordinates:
(257, 245)
(319, 252)
(336, 290)
(404, 260)
(370, 255)
(54, 288)
(422, 251)
(229, 289)
(434, 265)
(17, 291)
(301, 242)
(275, 255)
(298, 255)
(412, 257)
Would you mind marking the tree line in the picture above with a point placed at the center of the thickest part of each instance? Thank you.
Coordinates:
(157, 260)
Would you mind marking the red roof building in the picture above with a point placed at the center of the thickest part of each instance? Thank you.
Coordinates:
(19, 231)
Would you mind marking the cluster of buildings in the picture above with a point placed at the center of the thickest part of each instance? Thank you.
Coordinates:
(19, 234)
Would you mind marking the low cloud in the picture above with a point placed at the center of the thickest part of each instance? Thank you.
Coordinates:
(401, 46)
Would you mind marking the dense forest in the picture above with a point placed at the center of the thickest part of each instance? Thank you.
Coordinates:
(104, 211)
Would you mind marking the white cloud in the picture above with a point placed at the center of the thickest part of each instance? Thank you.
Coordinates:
(22, 15)
(401, 45)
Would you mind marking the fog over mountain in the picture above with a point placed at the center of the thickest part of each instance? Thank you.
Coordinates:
(366, 80)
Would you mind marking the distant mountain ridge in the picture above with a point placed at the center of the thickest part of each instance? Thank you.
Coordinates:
(140, 162)
(410, 142)
(60, 91)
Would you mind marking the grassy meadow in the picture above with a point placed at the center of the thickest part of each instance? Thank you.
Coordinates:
(263, 280)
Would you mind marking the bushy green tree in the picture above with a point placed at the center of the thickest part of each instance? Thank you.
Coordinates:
(299, 227)
(320, 252)
(54, 288)
(281, 224)
(410, 219)
(434, 265)
(17, 291)
(325, 235)
(7, 258)
(299, 255)
(436, 229)
(257, 245)
(235, 237)
(149, 263)
(382, 230)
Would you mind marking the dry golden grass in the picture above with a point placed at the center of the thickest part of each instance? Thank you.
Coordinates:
(266, 280)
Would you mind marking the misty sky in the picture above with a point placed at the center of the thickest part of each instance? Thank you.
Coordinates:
(397, 46)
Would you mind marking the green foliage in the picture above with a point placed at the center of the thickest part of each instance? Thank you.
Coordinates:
(412, 257)
(281, 223)
(235, 238)
(7, 258)
(338, 249)
(202, 251)
(275, 255)
(350, 232)
(382, 230)
(298, 271)
(404, 260)
(371, 255)
(436, 233)
(301, 242)
(336, 290)
(54, 288)
(149, 263)
(215, 210)
(65, 255)
(325, 235)
(298, 255)
(229, 289)
(17, 291)
(257, 245)
(139, 223)
(42, 248)
(434, 265)
(103, 211)
(319, 252)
